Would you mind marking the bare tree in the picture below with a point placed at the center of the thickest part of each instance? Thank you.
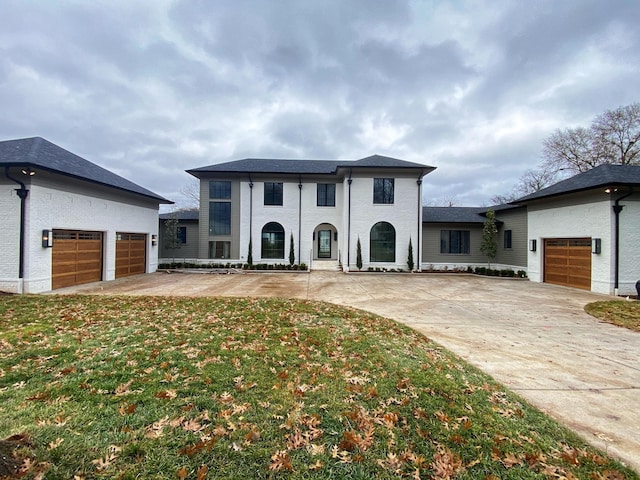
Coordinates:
(532, 181)
(191, 193)
(445, 201)
(612, 138)
(619, 131)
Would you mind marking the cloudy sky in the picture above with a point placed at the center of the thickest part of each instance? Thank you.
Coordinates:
(150, 88)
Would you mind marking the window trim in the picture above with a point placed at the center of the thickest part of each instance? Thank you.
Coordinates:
(325, 195)
(212, 220)
(384, 196)
(463, 241)
(508, 239)
(374, 250)
(271, 198)
(226, 195)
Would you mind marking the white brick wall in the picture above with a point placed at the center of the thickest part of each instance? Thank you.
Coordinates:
(592, 219)
(9, 233)
(629, 246)
(77, 206)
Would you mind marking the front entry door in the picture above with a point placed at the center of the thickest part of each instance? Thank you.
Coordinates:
(324, 244)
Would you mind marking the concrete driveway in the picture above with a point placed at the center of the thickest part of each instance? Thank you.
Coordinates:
(533, 338)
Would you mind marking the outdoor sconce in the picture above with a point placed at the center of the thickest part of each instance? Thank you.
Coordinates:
(533, 243)
(154, 240)
(47, 239)
(596, 246)
(335, 236)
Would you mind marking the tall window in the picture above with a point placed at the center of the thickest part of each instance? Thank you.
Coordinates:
(382, 243)
(273, 240)
(273, 193)
(454, 241)
(219, 218)
(326, 195)
(507, 239)
(220, 190)
(181, 234)
(383, 190)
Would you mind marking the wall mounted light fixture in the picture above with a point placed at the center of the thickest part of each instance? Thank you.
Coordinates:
(533, 244)
(596, 246)
(47, 238)
(154, 240)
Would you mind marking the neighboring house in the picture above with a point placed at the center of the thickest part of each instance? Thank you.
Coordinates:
(325, 206)
(66, 221)
(584, 232)
(452, 237)
(186, 241)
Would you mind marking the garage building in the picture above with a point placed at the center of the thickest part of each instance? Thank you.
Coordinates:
(67, 221)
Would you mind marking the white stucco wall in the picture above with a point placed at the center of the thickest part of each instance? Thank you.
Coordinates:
(582, 217)
(54, 203)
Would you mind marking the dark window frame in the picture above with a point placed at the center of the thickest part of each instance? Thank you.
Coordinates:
(181, 235)
(326, 195)
(272, 241)
(220, 189)
(382, 243)
(220, 224)
(273, 193)
(455, 242)
(508, 239)
(383, 191)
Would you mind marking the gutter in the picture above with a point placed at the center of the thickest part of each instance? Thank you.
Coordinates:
(22, 192)
(349, 180)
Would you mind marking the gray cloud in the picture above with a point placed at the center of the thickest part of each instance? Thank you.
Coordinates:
(151, 88)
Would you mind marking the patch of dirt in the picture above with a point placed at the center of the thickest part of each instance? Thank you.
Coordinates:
(10, 463)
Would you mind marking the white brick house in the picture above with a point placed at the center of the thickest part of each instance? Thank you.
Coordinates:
(67, 221)
(325, 206)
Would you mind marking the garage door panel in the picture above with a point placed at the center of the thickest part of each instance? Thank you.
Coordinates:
(76, 258)
(568, 262)
(131, 254)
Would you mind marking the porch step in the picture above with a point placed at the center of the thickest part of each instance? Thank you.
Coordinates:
(325, 265)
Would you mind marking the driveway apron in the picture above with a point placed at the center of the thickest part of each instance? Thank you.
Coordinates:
(534, 338)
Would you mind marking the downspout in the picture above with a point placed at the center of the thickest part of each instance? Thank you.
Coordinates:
(299, 214)
(349, 223)
(22, 193)
(250, 211)
(419, 182)
(617, 208)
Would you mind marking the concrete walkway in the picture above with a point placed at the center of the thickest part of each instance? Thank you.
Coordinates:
(533, 338)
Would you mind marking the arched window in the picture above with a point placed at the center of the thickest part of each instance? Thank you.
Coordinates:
(382, 243)
(272, 240)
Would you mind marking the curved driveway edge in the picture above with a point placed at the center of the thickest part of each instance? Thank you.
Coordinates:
(534, 338)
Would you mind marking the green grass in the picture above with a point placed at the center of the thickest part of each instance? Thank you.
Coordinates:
(623, 313)
(151, 387)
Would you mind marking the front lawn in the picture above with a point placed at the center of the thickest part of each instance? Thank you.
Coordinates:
(152, 387)
(623, 313)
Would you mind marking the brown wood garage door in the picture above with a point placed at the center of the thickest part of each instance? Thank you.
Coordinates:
(131, 254)
(76, 258)
(567, 261)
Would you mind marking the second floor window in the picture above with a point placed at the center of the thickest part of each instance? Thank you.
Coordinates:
(220, 218)
(273, 193)
(326, 195)
(220, 190)
(383, 190)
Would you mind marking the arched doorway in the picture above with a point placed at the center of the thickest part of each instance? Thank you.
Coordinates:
(325, 242)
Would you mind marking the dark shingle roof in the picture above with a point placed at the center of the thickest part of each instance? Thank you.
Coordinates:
(453, 214)
(183, 215)
(598, 177)
(328, 167)
(37, 153)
